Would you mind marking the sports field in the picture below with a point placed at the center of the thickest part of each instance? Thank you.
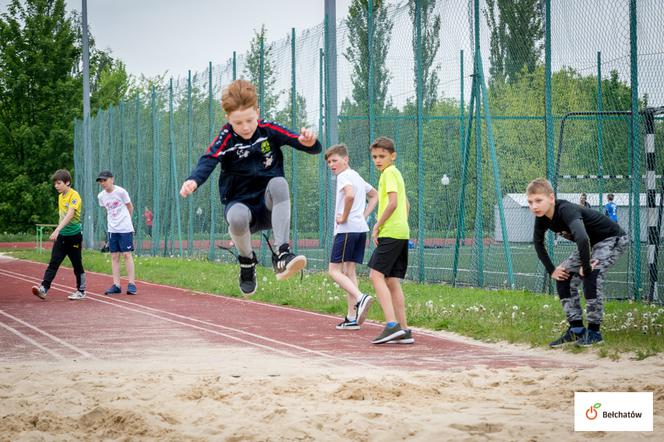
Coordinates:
(172, 364)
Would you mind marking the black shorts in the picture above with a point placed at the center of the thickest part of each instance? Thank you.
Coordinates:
(349, 247)
(390, 257)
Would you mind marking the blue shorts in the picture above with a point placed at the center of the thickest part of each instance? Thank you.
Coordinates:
(121, 242)
(348, 247)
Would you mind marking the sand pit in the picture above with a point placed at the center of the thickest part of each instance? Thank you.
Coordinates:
(239, 394)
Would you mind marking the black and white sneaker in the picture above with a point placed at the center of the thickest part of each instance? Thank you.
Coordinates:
(348, 324)
(248, 283)
(362, 308)
(286, 264)
(406, 338)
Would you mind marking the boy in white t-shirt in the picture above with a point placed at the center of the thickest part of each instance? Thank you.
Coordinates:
(355, 200)
(120, 229)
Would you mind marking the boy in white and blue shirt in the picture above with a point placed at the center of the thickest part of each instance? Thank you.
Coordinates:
(355, 200)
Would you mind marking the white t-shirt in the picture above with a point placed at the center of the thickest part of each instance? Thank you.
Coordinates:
(355, 221)
(115, 203)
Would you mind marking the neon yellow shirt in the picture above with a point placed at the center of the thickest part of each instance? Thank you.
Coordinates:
(65, 201)
(396, 226)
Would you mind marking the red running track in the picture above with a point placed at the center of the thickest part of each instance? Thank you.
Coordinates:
(160, 319)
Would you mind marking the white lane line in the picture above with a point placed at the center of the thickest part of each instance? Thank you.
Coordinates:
(32, 341)
(114, 302)
(48, 335)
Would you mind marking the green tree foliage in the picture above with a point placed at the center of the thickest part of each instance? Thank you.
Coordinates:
(252, 71)
(516, 37)
(430, 36)
(357, 54)
(39, 99)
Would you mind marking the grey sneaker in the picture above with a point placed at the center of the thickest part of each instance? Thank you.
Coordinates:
(39, 291)
(388, 334)
(406, 338)
(362, 308)
(348, 324)
(76, 295)
(567, 337)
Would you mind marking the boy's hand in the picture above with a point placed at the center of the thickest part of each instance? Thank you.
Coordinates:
(307, 137)
(187, 188)
(340, 219)
(560, 274)
(374, 234)
(593, 263)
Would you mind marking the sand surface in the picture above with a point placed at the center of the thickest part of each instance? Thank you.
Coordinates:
(236, 394)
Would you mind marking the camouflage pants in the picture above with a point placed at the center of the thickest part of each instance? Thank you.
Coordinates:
(606, 253)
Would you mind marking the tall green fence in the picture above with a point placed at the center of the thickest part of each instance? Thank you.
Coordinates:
(475, 114)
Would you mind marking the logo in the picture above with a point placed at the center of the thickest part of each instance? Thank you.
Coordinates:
(591, 412)
(265, 147)
(613, 411)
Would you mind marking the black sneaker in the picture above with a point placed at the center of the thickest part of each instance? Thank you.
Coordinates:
(590, 338)
(566, 338)
(406, 338)
(362, 308)
(248, 274)
(348, 324)
(287, 264)
(389, 334)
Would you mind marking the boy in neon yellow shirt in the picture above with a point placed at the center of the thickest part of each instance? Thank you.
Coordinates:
(67, 238)
(390, 234)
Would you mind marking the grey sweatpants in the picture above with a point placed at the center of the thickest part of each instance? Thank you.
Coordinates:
(606, 253)
(277, 203)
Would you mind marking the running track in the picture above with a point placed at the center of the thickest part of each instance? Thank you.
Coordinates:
(161, 319)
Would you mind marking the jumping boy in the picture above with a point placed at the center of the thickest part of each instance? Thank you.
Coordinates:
(251, 183)
(600, 242)
(350, 233)
(389, 261)
(67, 238)
(120, 230)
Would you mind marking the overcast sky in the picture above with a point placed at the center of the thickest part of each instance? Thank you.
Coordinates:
(155, 36)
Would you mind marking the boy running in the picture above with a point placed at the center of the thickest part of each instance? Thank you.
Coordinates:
(67, 238)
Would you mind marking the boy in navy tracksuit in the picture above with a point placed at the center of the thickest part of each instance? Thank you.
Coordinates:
(251, 184)
(600, 242)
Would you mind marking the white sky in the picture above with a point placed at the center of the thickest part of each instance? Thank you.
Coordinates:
(155, 36)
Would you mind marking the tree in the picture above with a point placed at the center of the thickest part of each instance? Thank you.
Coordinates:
(252, 70)
(39, 98)
(516, 35)
(357, 53)
(430, 35)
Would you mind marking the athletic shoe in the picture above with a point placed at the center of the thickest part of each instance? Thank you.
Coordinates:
(590, 338)
(39, 291)
(406, 338)
(362, 308)
(348, 324)
(248, 283)
(131, 289)
(566, 338)
(76, 295)
(286, 264)
(113, 290)
(388, 334)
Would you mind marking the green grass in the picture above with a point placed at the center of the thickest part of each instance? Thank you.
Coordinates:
(18, 237)
(491, 316)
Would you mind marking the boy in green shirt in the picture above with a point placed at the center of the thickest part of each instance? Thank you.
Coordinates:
(390, 234)
(67, 238)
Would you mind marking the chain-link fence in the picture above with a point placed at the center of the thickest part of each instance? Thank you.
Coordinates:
(480, 98)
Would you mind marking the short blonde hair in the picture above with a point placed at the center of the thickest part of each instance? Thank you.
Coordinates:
(239, 95)
(337, 149)
(539, 185)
